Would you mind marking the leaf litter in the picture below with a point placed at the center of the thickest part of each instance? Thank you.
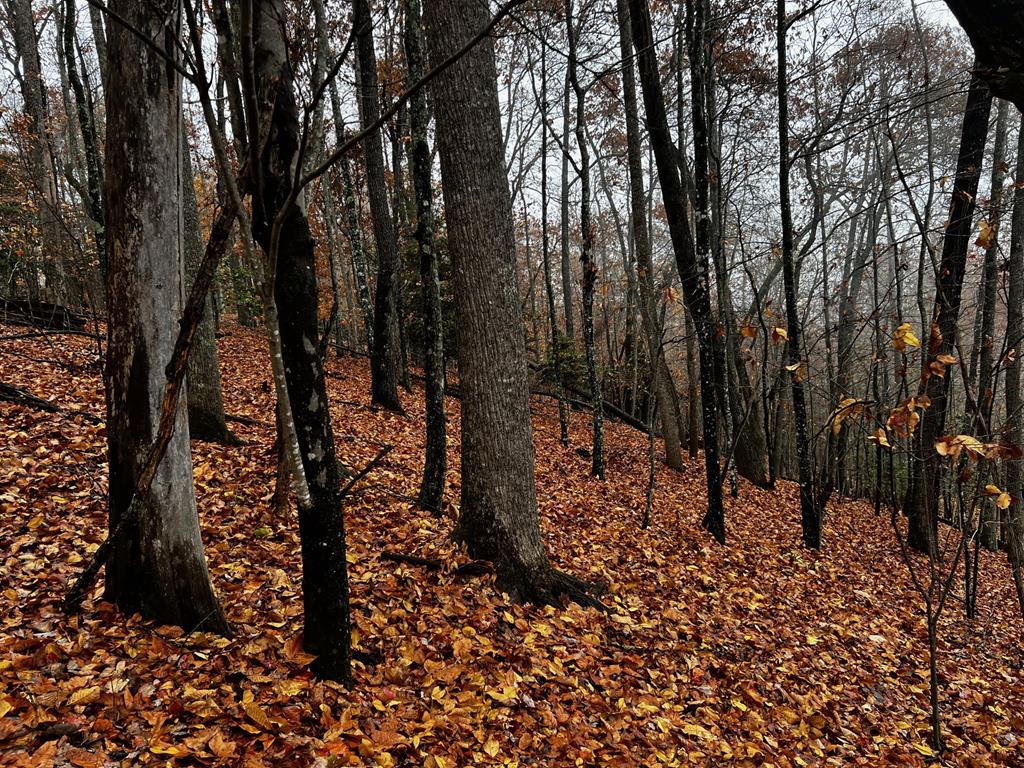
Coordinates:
(762, 653)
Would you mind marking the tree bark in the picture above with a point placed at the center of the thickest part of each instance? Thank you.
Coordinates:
(40, 157)
(661, 377)
(985, 338)
(691, 272)
(996, 28)
(587, 264)
(810, 513)
(570, 333)
(498, 515)
(921, 504)
(157, 568)
(1015, 351)
(205, 399)
(435, 461)
(327, 630)
(385, 359)
(554, 340)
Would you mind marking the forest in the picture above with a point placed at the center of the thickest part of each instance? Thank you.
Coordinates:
(511, 383)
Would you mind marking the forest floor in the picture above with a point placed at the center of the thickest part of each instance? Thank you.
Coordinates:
(758, 653)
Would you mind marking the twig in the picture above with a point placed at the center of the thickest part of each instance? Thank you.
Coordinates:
(364, 471)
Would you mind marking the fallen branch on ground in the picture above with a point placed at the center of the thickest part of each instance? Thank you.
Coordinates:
(18, 396)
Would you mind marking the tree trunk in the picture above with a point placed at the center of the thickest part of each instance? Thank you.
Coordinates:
(922, 500)
(985, 339)
(810, 513)
(995, 28)
(40, 158)
(554, 350)
(1015, 351)
(157, 568)
(435, 460)
(321, 525)
(86, 116)
(498, 516)
(570, 334)
(587, 264)
(691, 272)
(205, 400)
(661, 377)
(352, 230)
(385, 359)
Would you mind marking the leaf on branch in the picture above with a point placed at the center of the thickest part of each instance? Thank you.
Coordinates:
(952, 446)
(847, 409)
(903, 338)
(987, 234)
(881, 438)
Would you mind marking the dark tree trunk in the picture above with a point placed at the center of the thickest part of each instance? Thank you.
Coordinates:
(696, 20)
(498, 516)
(435, 459)
(922, 501)
(661, 377)
(810, 513)
(321, 524)
(385, 359)
(157, 566)
(996, 28)
(691, 272)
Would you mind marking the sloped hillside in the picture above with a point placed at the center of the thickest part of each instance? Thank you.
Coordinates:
(761, 653)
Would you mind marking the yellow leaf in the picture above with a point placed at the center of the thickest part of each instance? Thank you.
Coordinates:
(1003, 500)
(505, 696)
(491, 747)
(291, 687)
(903, 338)
(992, 490)
(812, 639)
(167, 749)
(692, 729)
(780, 334)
